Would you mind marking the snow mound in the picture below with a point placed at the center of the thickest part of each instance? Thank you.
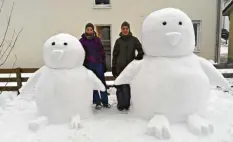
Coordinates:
(212, 62)
(108, 125)
(5, 99)
(224, 47)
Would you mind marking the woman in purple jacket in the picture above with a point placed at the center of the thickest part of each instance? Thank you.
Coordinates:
(95, 61)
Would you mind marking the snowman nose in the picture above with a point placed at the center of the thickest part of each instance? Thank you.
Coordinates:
(173, 38)
(57, 55)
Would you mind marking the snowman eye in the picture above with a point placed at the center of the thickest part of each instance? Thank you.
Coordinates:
(65, 43)
(180, 23)
(53, 43)
(164, 23)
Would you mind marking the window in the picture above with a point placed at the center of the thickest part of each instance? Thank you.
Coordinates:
(104, 33)
(197, 31)
(102, 4)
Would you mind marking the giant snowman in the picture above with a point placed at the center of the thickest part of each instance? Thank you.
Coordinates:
(171, 83)
(63, 87)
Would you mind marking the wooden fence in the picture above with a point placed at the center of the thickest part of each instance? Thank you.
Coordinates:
(15, 75)
(225, 66)
(19, 79)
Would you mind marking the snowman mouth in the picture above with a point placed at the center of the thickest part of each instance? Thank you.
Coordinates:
(173, 38)
(57, 55)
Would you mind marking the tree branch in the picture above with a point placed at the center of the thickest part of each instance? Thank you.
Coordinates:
(6, 46)
(8, 24)
(11, 48)
(2, 5)
(9, 45)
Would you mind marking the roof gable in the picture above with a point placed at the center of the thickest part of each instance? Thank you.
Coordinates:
(226, 11)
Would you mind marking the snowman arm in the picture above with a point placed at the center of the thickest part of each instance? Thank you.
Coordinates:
(97, 84)
(31, 82)
(215, 77)
(128, 74)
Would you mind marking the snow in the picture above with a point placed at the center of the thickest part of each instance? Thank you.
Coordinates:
(109, 125)
(162, 36)
(212, 62)
(226, 70)
(175, 83)
(63, 88)
(191, 91)
(224, 50)
(63, 51)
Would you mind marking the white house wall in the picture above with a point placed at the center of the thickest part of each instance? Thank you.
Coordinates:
(225, 19)
(44, 18)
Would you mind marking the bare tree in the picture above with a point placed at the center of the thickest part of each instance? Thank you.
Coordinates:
(6, 46)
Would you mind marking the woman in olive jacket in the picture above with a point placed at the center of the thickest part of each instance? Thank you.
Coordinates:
(123, 53)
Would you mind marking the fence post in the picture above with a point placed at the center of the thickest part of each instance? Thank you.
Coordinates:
(18, 79)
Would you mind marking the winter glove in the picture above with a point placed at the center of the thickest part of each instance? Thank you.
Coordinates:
(114, 72)
(139, 57)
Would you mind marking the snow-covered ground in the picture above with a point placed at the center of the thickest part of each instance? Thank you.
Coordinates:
(108, 125)
(224, 47)
(223, 51)
(226, 70)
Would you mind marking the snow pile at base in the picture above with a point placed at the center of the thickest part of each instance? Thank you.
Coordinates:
(223, 42)
(109, 125)
(224, 47)
(212, 62)
(226, 70)
(224, 50)
(6, 99)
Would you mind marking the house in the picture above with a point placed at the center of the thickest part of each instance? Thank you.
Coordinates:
(225, 19)
(44, 18)
(228, 11)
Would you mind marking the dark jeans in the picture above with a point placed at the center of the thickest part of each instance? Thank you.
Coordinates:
(98, 70)
(123, 96)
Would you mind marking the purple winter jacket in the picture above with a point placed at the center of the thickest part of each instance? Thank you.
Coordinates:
(94, 49)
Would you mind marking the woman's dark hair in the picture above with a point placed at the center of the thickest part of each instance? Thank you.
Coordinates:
(125, 23)
(90, 25)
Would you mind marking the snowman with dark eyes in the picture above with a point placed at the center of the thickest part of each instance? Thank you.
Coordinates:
(63, 87)
(171, 83)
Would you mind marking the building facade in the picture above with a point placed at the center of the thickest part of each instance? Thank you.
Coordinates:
(44, 18)
(228, 12)
(225, 19)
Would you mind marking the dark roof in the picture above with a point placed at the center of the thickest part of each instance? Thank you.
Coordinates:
(226, 11)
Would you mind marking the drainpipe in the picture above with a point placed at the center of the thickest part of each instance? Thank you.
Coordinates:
(218, 31)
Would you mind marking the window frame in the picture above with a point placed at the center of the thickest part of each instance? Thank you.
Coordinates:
(199, 27)
(101, 6)
(102, 25)
(110, 40)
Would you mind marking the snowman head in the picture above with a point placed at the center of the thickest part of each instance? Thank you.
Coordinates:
(63, 51)
(169, 33)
